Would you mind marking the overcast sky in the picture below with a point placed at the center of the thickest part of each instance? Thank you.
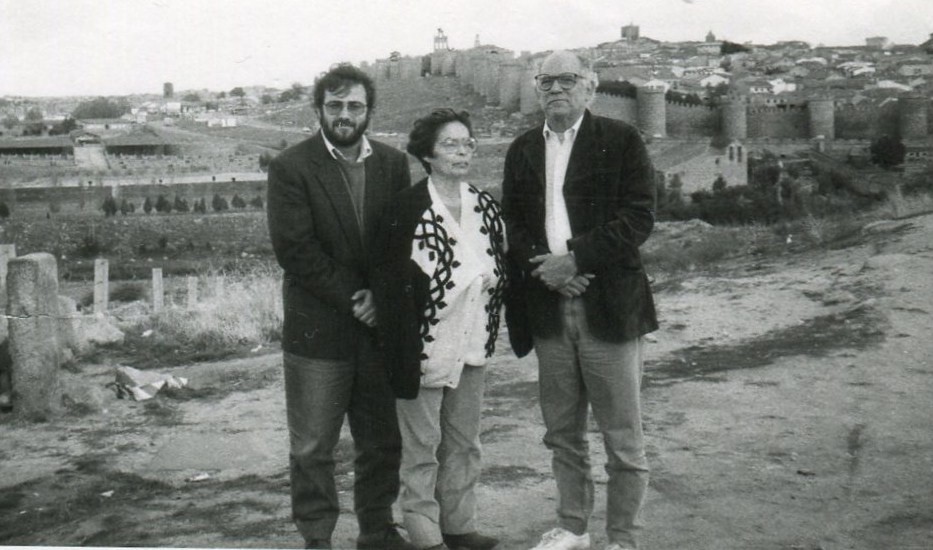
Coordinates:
(114, 47)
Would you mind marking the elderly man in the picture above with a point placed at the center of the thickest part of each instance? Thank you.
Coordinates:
(578, 198)
(324, 196)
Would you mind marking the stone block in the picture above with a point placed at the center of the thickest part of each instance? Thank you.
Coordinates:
(32, 284)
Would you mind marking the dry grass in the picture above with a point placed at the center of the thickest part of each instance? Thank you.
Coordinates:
(898, 206)
(240, 313)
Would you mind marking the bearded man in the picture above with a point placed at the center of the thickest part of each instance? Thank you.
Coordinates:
(324, 196)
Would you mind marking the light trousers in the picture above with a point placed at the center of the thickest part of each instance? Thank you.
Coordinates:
(441, 458)
(578, 371)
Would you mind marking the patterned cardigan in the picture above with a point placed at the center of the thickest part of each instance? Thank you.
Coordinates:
(408, 299)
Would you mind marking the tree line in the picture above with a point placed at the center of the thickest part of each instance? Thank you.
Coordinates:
(163, 205)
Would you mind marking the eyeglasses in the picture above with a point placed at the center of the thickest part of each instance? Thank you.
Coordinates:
(355, 108)
(545, 82)
(454, 145)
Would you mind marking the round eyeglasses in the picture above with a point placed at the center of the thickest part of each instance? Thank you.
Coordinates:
(355, 108)
(566, 81)
(454, 145)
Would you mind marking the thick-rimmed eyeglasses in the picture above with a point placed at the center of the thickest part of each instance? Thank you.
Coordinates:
(454, 145)
(566, 81)
(334, 108)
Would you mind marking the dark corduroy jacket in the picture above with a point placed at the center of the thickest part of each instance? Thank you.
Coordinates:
(610, 195)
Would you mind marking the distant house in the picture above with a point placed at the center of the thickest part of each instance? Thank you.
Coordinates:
(713, 80)
(83, 137)
(47, 145)
(696, 165)
(104, 124)
(915, 69)
(878, 43)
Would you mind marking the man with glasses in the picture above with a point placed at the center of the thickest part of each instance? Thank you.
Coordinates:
(578, 199)
(324, 196)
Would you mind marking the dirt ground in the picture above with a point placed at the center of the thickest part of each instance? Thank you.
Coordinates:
(787, 406)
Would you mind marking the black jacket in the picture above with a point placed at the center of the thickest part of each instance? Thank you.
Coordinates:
(317, 241)
(610, 195)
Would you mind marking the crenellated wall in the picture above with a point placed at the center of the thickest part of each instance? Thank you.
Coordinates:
(509, 83)
(620, 108)
(775, 122)
(692, 120)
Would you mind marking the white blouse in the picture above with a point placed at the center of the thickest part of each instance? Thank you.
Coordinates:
(460, 263)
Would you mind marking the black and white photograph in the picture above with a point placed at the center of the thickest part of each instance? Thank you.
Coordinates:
(433, 275)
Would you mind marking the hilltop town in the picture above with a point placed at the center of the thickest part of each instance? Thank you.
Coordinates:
(707, 107)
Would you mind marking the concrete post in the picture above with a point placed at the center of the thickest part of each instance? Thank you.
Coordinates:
(101, 285)
(32, 283)
(7, 252)
(158, 295)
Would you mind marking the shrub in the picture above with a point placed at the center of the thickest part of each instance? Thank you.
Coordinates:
(162, 205)
(180, 205)
(109, 207)
(91, 246)
(219, 204)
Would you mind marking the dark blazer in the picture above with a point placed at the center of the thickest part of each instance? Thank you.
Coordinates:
(610, 195)
(318, 242)
(403, 291)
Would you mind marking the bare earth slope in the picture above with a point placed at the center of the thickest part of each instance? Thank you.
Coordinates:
(787, 406)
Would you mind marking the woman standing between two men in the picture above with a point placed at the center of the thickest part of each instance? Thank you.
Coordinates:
(439, 284)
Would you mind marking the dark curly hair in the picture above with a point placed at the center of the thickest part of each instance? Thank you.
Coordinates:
(423, 135)
(340, 77)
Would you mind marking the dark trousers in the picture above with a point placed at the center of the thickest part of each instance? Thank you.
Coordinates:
(318, 393)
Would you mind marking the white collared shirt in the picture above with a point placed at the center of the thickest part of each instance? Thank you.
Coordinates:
(365, 149)
(558, 147)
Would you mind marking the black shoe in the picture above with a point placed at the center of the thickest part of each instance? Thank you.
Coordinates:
(318, 544)
(470, 541)
(387, 539)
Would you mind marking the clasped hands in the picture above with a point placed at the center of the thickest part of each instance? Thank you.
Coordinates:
(364, 308)
(559, 273)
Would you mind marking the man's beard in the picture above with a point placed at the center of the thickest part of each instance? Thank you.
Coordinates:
(337, 139)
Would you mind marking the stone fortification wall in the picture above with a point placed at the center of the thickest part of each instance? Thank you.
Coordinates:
(773, 122)
(620, 108)
(528, 99)
(857, 122)
(692, 120)
(652, 112)
(510, 85)
(735, 119)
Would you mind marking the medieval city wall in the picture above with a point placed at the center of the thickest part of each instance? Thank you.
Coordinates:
(774, 122)
(507, 82)
(692, 120)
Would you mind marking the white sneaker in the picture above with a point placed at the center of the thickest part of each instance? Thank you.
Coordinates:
(562, 539)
